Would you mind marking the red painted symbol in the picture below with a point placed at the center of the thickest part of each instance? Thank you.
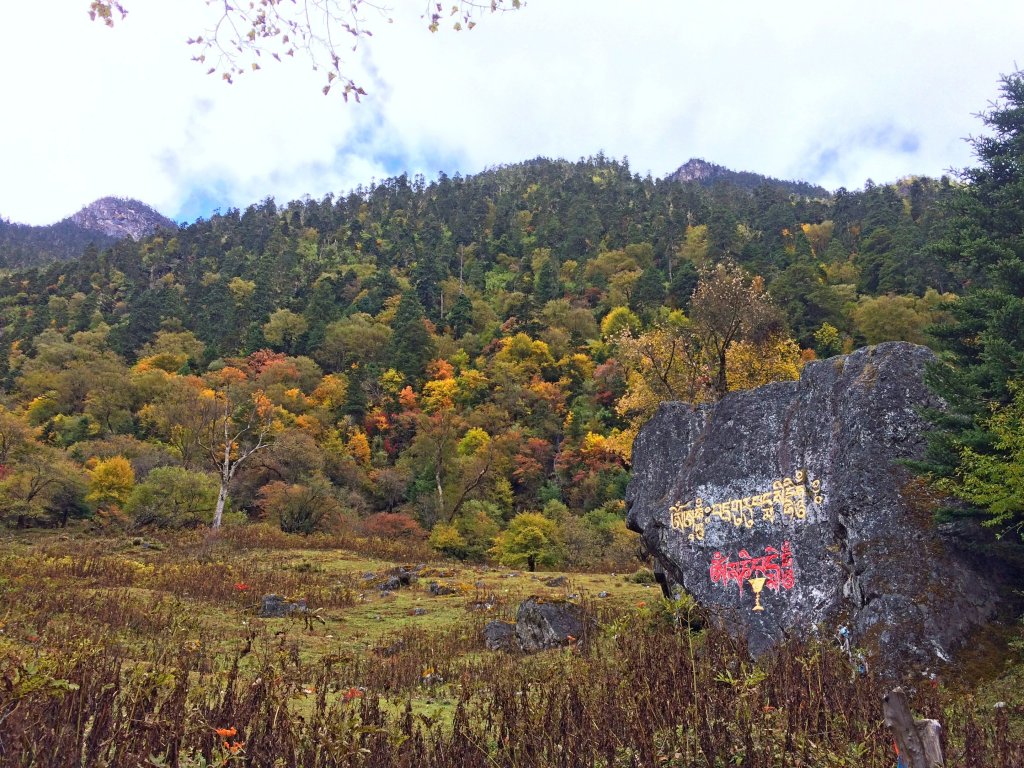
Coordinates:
(774, 565)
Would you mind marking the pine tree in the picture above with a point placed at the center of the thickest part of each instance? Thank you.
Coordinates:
(412, 346)
(984, 341)
(461, 316)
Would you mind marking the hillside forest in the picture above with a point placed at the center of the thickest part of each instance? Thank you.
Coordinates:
(467, 360)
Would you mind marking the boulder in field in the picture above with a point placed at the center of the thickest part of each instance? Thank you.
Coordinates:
(542, 624)
(787, 506)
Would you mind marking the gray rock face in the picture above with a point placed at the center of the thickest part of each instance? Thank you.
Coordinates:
(500, 636)
(784, 507)
(120, 217)
(542, 624)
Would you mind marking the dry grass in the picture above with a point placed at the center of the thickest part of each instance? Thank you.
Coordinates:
(116, 652)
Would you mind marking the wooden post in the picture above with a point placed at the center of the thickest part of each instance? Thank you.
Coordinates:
(917, 740)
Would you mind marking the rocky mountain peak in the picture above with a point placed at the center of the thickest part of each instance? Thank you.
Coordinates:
(705, 174)
(120, 217)
(698, 170)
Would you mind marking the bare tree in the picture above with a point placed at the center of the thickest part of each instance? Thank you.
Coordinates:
(242, 426)
(242, 35)
(730, 305)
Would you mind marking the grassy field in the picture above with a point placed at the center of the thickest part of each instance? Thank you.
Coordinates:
(122, 651)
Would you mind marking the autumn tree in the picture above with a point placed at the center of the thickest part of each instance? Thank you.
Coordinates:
(243, 424)
(662, 363)
(111, 482)
(300, 507)
(38, 483)
(531, 540)
(729, 305)
(173, 497)
(751, 364)
(178, 411)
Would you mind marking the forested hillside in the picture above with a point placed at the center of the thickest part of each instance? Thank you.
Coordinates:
(469, 357)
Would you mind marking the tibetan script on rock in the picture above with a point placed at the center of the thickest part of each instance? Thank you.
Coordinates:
(775, 565)
(787, 499)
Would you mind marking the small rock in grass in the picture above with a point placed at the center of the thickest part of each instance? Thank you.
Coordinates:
(277, 607)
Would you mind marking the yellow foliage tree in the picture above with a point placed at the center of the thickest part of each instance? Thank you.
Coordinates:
(359, 447)
(111, 482)
(752, 364)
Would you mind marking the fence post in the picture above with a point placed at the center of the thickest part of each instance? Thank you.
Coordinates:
(917, 740)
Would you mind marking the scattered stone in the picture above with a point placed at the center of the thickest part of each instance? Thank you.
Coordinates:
(500, 636)
(418, 612)
(369, 576)
(544, 624)
(603, 594)
(788, 506)
(278, 607)
(386, 593)
(402, 576)
(557, 581)
(391, 584)
(387, 651)
(439, 590)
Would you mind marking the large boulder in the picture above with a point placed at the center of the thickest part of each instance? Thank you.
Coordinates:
(500, 636)
(786, 507)
(542, 624)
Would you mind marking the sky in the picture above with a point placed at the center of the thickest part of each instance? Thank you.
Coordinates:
(831, 93)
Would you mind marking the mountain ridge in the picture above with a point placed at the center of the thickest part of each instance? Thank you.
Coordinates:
(101, 223)
(706, 174)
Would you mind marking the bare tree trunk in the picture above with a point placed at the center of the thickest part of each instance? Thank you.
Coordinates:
(222, 498)
(440, 489)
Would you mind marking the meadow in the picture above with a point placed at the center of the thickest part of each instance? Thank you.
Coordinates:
(149, 651)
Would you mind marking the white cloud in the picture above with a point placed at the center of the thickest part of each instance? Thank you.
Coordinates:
(833, 94)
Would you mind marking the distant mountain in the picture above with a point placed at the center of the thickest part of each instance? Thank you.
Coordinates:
(100, 224)
(706, 174)
(118, 217)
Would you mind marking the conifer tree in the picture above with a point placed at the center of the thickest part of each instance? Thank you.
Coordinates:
(411, 345)
(984, 341)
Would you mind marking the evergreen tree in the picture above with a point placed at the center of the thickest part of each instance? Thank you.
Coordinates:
(547, 285)
(461, 316)
(412, 346)
(984, 341)
(648, 291)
